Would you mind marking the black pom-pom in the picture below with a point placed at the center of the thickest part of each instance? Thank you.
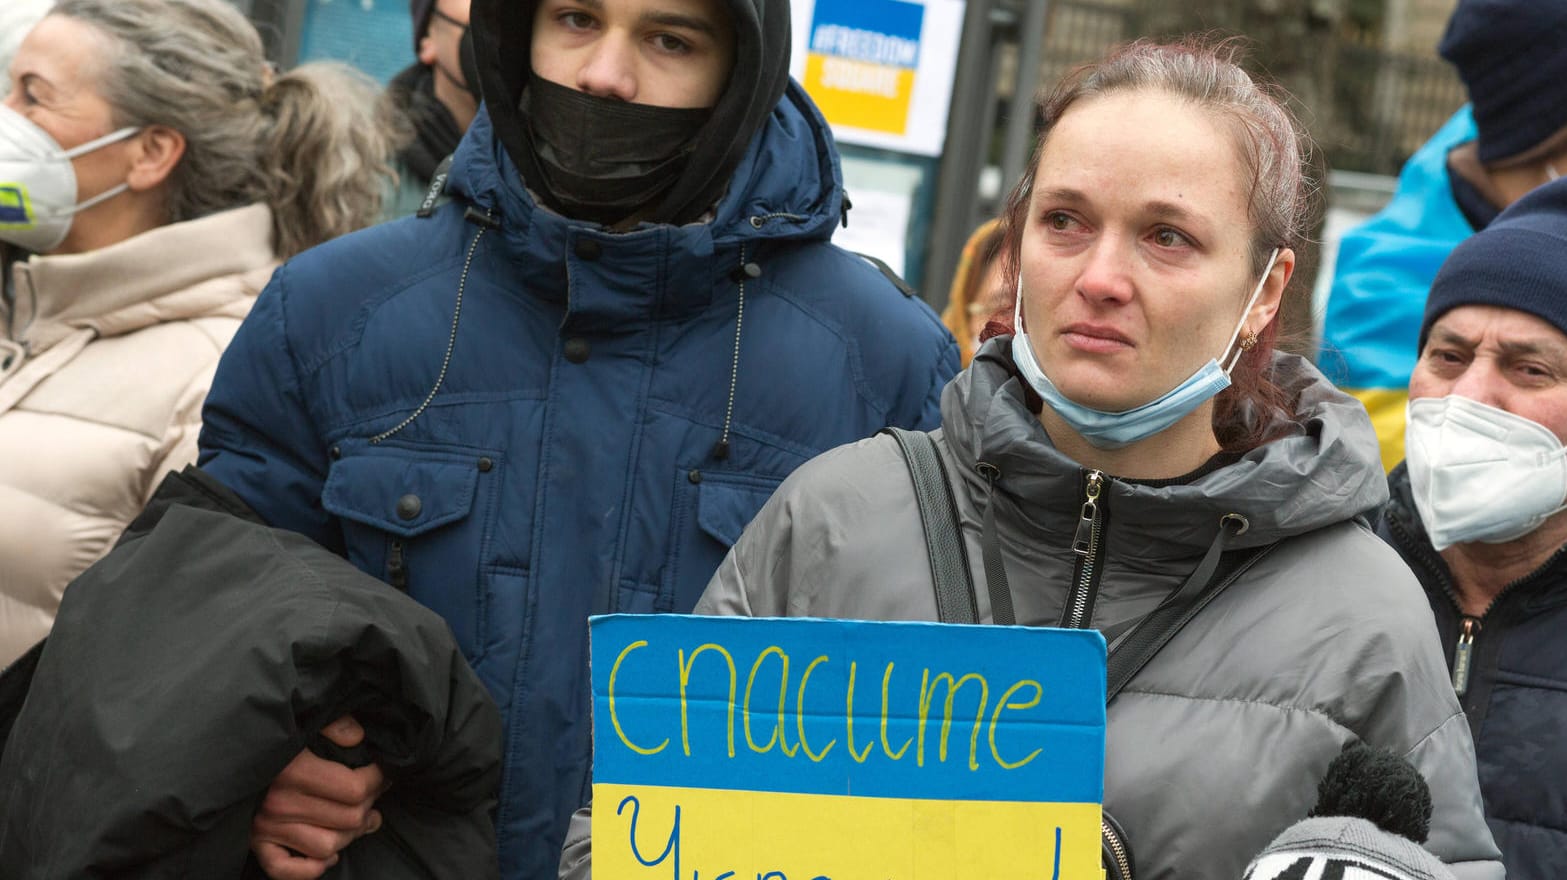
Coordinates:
(1378, 786)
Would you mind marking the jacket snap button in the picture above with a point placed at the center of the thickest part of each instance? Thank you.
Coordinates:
(337, 452)
(485, 465)
(588, 249)
(576, 349)
(409, 506)
(695, 476)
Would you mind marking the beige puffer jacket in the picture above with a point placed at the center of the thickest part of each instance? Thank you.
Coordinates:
(105, 359)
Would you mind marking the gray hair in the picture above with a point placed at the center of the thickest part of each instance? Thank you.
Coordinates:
(313, 144)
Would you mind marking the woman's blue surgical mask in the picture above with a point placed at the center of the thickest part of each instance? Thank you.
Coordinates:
(1114, 430)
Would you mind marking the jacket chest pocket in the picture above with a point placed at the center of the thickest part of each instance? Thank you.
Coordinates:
(711, 509)
(420, 519)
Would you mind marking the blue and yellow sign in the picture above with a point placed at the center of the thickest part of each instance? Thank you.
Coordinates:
(733, 748)
(862, 61)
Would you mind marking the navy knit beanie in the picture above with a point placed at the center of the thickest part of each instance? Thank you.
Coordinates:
(1512, 56)
(420, 11)
(1519, 262)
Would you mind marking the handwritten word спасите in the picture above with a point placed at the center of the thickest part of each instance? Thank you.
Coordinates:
(1019, 695)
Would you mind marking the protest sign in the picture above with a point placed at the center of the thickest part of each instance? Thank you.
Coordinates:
(761, 749)
(881, 71)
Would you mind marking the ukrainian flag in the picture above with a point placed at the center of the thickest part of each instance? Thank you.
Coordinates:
(1384, 270)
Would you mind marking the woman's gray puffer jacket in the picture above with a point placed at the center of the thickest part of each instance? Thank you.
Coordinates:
(1217, 744)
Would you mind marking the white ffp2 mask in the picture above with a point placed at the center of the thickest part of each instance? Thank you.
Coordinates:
(38, 183)
(1479, 473)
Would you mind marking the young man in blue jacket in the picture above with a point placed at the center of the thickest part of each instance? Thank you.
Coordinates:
(567, 390)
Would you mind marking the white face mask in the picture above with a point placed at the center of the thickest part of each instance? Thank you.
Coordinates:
(1480, 473)
(38, 183)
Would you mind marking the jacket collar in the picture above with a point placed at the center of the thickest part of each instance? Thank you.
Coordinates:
(147, 279)
(1324, 470)
(1544, 587)
(788, 187)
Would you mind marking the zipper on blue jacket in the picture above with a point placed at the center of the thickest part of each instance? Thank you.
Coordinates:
(1089, 548)
(396, 566)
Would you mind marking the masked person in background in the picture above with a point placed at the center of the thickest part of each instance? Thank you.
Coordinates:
(436, 96)
(1477, 511)
(1140, 447)
(1510, 138)
(566, 391)
(152, 174)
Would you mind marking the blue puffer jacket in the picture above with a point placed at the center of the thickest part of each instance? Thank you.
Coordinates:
(551, 451)
(1514, 691)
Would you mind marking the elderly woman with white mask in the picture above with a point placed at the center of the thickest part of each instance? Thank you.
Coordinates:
(153, 172)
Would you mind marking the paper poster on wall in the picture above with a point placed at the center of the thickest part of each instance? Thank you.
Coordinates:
(883, 196)
(880, 70)
(737, 748)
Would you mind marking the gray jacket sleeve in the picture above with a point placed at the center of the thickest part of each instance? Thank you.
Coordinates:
(1459, 835)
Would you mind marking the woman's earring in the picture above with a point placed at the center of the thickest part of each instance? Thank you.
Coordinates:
(1248, 341)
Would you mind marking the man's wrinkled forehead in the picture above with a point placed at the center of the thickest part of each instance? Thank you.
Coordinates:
(1512, 332)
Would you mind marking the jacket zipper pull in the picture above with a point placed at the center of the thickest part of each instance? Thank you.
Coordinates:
(1083, 540)
(1462, 654)
(396, 568)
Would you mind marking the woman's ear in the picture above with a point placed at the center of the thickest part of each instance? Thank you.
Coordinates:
(157, 150)
(1267, 304)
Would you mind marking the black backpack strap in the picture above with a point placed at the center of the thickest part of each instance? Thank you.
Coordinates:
(1132, 650)
(888, 273)
(949, 569)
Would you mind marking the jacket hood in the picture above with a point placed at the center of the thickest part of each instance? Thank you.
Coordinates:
(503, 35)
(1322, 470)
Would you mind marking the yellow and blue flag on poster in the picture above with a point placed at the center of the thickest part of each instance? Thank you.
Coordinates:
(862, 61)
(764, 749)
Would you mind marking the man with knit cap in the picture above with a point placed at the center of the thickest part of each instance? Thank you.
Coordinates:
(1477, 510)
(1511, 138)
(438, 96)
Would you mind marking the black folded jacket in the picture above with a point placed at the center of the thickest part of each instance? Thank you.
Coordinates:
(192, 663)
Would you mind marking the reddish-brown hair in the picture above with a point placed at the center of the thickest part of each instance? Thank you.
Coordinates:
(1203, 72)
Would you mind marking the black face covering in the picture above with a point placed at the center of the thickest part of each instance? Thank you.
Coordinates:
(601, 159)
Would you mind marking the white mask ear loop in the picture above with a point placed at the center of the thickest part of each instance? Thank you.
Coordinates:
(110, 138)
(1236, 358)
(84, 149)
(1017, 306)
